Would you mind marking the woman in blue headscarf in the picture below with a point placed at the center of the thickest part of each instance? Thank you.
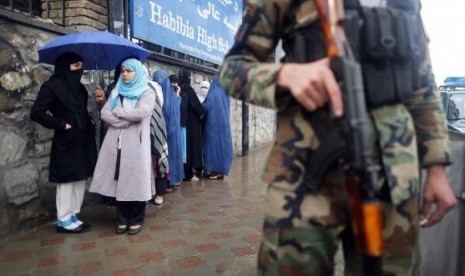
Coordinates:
(124, 164)
(171, 112)
(217, 141)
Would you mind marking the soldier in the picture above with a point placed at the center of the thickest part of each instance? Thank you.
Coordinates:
(303, 227)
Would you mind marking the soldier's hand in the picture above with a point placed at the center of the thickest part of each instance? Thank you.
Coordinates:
(436, 191)
(312, 84)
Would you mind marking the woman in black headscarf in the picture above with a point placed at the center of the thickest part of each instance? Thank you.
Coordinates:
(61, 105)
(195, 115)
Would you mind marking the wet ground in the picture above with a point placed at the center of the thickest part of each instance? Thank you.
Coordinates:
(206, 227)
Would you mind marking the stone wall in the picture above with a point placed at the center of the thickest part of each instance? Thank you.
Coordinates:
(79, 14)
(26, 197)
(25, 194)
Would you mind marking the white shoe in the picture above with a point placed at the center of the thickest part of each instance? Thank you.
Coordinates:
(158, 200)
(195, 178)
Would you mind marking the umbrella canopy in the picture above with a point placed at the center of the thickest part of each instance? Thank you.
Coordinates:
(100, 50)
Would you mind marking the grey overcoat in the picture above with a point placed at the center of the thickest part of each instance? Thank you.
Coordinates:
(134, 182)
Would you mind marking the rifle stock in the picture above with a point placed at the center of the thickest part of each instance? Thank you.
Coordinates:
(361, 170)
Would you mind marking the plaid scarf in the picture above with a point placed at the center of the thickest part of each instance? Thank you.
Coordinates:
(159, 145)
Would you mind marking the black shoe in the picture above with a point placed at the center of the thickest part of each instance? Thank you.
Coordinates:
(134, 229)
(120, 230)
(85, 226)
(75, 230)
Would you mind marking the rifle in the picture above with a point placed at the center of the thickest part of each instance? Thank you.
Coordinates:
(361, 170)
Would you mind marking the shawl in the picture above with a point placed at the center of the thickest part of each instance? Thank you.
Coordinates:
(159, 146)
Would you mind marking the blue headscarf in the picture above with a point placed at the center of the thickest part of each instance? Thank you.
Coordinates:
(171, 112)
(217, 140)
(132, 90)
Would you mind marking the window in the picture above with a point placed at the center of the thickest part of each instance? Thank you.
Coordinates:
(31, 7)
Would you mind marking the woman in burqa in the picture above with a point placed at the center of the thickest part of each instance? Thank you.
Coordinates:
(61, 105)
(123, 167)
(171, 113)
(217, 140)
(195, 116)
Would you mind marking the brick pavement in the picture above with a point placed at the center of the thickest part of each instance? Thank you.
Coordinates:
(209, 227)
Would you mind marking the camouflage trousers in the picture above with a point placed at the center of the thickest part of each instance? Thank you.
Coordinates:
(302, 232)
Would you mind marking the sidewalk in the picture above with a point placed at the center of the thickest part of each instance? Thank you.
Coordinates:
(209, 227)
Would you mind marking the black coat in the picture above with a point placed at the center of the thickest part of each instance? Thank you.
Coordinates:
(74, 152)
(195, 117)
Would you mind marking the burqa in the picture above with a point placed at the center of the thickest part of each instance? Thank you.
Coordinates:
(171, 112)
(217, 140)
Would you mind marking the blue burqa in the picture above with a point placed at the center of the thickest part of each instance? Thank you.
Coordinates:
(217, 140)
(171, 112)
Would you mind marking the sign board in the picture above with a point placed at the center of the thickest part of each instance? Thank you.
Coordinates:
(200, 28)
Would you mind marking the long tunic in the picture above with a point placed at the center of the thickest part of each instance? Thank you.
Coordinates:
(195, 115)
(134, 182)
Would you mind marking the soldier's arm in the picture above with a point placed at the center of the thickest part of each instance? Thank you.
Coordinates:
(247, 74)
(433, 143)
(428, 115)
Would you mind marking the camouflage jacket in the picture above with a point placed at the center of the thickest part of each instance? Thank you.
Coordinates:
(407, 136)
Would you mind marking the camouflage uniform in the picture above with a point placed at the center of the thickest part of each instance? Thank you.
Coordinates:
(302, 229)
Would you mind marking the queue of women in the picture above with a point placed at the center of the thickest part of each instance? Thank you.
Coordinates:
(159, 133)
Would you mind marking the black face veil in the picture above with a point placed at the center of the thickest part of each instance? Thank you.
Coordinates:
(72, 93)
(72, 79)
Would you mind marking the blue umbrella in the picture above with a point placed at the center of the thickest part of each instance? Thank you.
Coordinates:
(100, 50)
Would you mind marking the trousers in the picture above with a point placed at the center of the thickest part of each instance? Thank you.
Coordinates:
(302, 231)
(69, 199)
(130, 212)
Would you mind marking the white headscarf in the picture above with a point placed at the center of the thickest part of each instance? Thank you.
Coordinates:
(154, 85)
(203, 92)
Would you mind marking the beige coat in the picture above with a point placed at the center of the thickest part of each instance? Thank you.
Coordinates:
(134, 183)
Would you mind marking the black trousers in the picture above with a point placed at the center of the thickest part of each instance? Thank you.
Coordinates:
(160, 184)
(130, 212)
(189, 172)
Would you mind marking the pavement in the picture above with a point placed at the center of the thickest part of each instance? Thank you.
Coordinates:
(205, 227)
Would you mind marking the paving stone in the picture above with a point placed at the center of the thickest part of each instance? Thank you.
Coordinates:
(203, 228)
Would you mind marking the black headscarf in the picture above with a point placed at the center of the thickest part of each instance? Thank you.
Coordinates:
(71, 92)
(184, 77)
(71, 80)
(174, 78)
